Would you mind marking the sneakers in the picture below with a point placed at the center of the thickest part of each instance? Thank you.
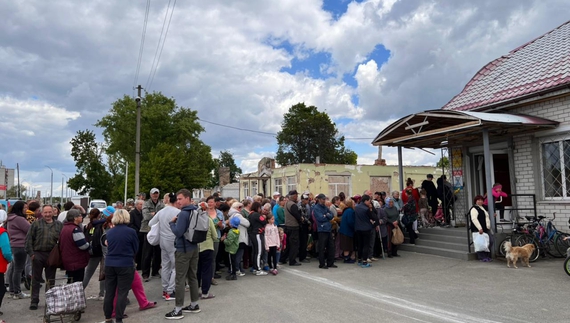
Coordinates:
(266, 268)
(168, 297)
(365, 265)
(240, 273)
(191, 309)
(146, 279)
(333, 266)
(349, 261)
(261, 273)
(34, 306)
(368, 260)
(373, 259)
(215, 282)
(274, 272)
(21, 295)
(174, 315)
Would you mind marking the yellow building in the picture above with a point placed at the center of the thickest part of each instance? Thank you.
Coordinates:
(329, 179)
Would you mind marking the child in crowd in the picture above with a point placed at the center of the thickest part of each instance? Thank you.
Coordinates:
(231, 241)
(424, 208)
(271, 243)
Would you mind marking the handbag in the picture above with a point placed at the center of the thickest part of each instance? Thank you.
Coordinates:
(397, 236)
(153, 236)
(102, 269)
(54, 259)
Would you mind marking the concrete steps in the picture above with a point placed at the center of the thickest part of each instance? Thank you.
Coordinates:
(444, 242)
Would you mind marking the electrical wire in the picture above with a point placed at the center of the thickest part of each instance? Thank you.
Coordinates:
(141, 48)
(262, 132)
(158, 44)
(163, 42)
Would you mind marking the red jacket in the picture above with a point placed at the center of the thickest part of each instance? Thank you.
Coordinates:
(72, 257)
(416, 196)
(3, 261)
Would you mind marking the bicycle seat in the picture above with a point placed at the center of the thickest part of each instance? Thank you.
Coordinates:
(540, 217)
(529, 218)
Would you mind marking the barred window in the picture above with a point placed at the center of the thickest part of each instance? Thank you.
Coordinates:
(279, 185)
(555, 157)
(339, 184)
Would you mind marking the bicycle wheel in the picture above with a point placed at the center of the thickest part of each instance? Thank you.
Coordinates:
(561, 245)
(552, 250)
(567, 265)
(526, 239)
(502, 246)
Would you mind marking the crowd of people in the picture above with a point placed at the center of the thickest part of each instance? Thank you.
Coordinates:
(257, 234)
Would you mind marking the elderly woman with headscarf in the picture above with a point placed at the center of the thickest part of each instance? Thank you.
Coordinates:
(393, 217)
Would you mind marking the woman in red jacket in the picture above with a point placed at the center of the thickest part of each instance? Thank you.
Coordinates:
(73, 247)
(416, 196)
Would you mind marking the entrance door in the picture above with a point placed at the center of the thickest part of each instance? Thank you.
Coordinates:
(500, 174)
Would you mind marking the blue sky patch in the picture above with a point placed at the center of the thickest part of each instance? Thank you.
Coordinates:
(337, 7)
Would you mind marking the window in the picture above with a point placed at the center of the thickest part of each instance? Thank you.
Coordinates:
(291, 183)
(339, 184)
(555, 157)
(278, 186)
(253, 188)
(245, 189)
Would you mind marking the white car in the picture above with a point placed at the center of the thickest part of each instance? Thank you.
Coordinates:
(99, 204)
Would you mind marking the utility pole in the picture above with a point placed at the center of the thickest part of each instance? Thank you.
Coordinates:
(138, 140)
(126, 180)
(51, 190)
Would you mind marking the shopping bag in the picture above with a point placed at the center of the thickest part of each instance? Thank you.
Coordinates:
(397, 236)
(54, 258)
(64, 299)
(153, 236)
(481, 242)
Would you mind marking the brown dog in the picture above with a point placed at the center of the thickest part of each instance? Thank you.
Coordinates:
(514, 253)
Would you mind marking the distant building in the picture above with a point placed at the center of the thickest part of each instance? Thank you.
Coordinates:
(6, 179)
(329, 179)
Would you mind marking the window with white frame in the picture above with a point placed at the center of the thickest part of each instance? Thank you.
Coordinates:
(339, 183)
(555, 159)
(278, 185)
(254, 188)
(291, 183)
(245, 189)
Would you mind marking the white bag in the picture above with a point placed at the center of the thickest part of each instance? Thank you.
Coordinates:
(65, 299)
(153, 237)
(481, 242)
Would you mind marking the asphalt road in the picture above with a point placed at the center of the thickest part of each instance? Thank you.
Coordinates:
(412, 288)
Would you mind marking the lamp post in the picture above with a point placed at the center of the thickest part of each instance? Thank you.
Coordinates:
(62, 174)
(51, 192)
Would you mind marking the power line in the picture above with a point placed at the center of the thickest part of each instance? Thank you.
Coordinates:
(141, 48)
(262, 132)
(163, 42)
(158, 44)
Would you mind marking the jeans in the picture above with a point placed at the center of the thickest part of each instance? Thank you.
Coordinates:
(205, 265)
(239, 255)
(150, 255)
(363, 240)
(233, 264)
(18, 265)
(292, 245)
(303, 239)
(214, 257)
(326, 242)
(117, 279)
(168, 273)
(90, 270)
(186, 268)
(138, 291)
(38, 265)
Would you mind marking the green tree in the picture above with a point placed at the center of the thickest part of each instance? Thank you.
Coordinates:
(13, 191)
(443, 163)
(92, 176)
(307, 134)
(172, 154)
(226, 159)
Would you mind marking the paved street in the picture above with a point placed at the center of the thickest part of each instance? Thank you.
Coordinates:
(412, 288)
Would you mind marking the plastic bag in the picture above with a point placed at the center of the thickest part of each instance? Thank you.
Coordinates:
(397, 236)
(65, 299)
(153, 236)
(481, 242)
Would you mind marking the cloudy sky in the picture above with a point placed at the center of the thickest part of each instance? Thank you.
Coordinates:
(243, 64)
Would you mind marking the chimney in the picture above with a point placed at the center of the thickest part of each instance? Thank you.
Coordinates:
(224, 173)
(380, 161)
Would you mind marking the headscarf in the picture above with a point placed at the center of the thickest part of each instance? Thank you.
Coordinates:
(387, 202)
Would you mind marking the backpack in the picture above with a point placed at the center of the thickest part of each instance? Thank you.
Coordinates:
(198, 227)
(94, 238)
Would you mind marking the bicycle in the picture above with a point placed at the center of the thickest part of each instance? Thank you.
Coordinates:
(547, 240)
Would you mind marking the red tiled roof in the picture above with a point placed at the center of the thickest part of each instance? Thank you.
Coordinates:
(539, 65)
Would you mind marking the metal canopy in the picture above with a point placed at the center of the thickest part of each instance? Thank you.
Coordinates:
(437, 128)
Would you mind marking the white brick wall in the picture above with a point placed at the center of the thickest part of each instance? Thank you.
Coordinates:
(526, 151)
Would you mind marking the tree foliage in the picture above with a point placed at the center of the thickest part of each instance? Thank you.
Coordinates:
(13, 191)
(307, 133)
(172, 154)
(443, 163)
(92, 176)
(226, 159)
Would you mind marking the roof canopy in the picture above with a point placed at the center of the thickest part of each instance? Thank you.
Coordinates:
(438, 128)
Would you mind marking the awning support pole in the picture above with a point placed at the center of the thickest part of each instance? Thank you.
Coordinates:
(400, 169)
(489, 184)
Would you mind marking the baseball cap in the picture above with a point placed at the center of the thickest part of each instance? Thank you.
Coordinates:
(321, 197)
(293, 192)
(154, 190)
(276, 193)
(74, 212)
(108, 211)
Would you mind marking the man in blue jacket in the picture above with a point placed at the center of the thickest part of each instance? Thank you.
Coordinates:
(186, 257)
(323, 216)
